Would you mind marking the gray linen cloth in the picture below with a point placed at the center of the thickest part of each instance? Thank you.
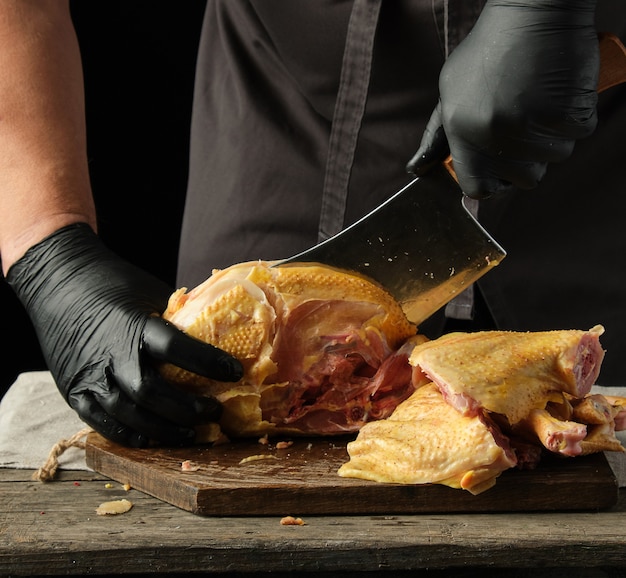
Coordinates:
(34, 417)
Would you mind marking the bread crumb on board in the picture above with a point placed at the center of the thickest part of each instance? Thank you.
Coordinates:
(257, 457)
(114, 507)
(291, 521)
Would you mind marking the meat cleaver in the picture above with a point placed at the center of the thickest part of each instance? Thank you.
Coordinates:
(422, 244)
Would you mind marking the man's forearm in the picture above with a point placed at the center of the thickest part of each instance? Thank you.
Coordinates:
(44, 180)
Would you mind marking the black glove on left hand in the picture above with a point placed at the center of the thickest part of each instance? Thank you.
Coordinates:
(97, 320)
(515, 95)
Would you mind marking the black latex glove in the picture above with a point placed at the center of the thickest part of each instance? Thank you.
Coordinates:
(96, 319)
(515, 95)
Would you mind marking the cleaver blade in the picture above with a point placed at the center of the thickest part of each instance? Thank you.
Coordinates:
(422, 245)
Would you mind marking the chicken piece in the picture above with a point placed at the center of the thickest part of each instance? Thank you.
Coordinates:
(588, 428)
(593, 409)
(508, 372)
(601, 438)
(604, 415)
(496, 401)
(556, 435)
(321, 348)
(619, 408)
(426, 440)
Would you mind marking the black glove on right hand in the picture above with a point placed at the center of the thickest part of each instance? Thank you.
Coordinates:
(97, 320)
(515, 95)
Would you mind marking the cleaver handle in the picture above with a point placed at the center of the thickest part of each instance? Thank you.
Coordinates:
(612, 61)
(612, 73)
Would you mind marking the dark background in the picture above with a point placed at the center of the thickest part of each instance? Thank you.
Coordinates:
(138, 60)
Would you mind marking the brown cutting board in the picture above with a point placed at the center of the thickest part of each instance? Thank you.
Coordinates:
(302, 480)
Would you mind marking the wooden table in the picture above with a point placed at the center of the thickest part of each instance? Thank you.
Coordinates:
(53, 529)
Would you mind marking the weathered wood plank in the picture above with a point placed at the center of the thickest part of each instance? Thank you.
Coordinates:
(53, 529)
(303, 479)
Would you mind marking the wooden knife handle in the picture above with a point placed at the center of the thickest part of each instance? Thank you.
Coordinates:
(612, 73)
(612, 61)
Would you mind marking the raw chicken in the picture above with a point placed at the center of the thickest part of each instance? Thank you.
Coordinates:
(511, 373)
(323, 351)
(327, 352)
(496, 401)
(556, 435)
(426, 440)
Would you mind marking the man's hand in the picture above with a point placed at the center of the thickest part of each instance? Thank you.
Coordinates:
(97, 320)
(515, 95)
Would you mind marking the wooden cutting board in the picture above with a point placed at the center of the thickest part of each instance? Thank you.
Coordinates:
(302, 480)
